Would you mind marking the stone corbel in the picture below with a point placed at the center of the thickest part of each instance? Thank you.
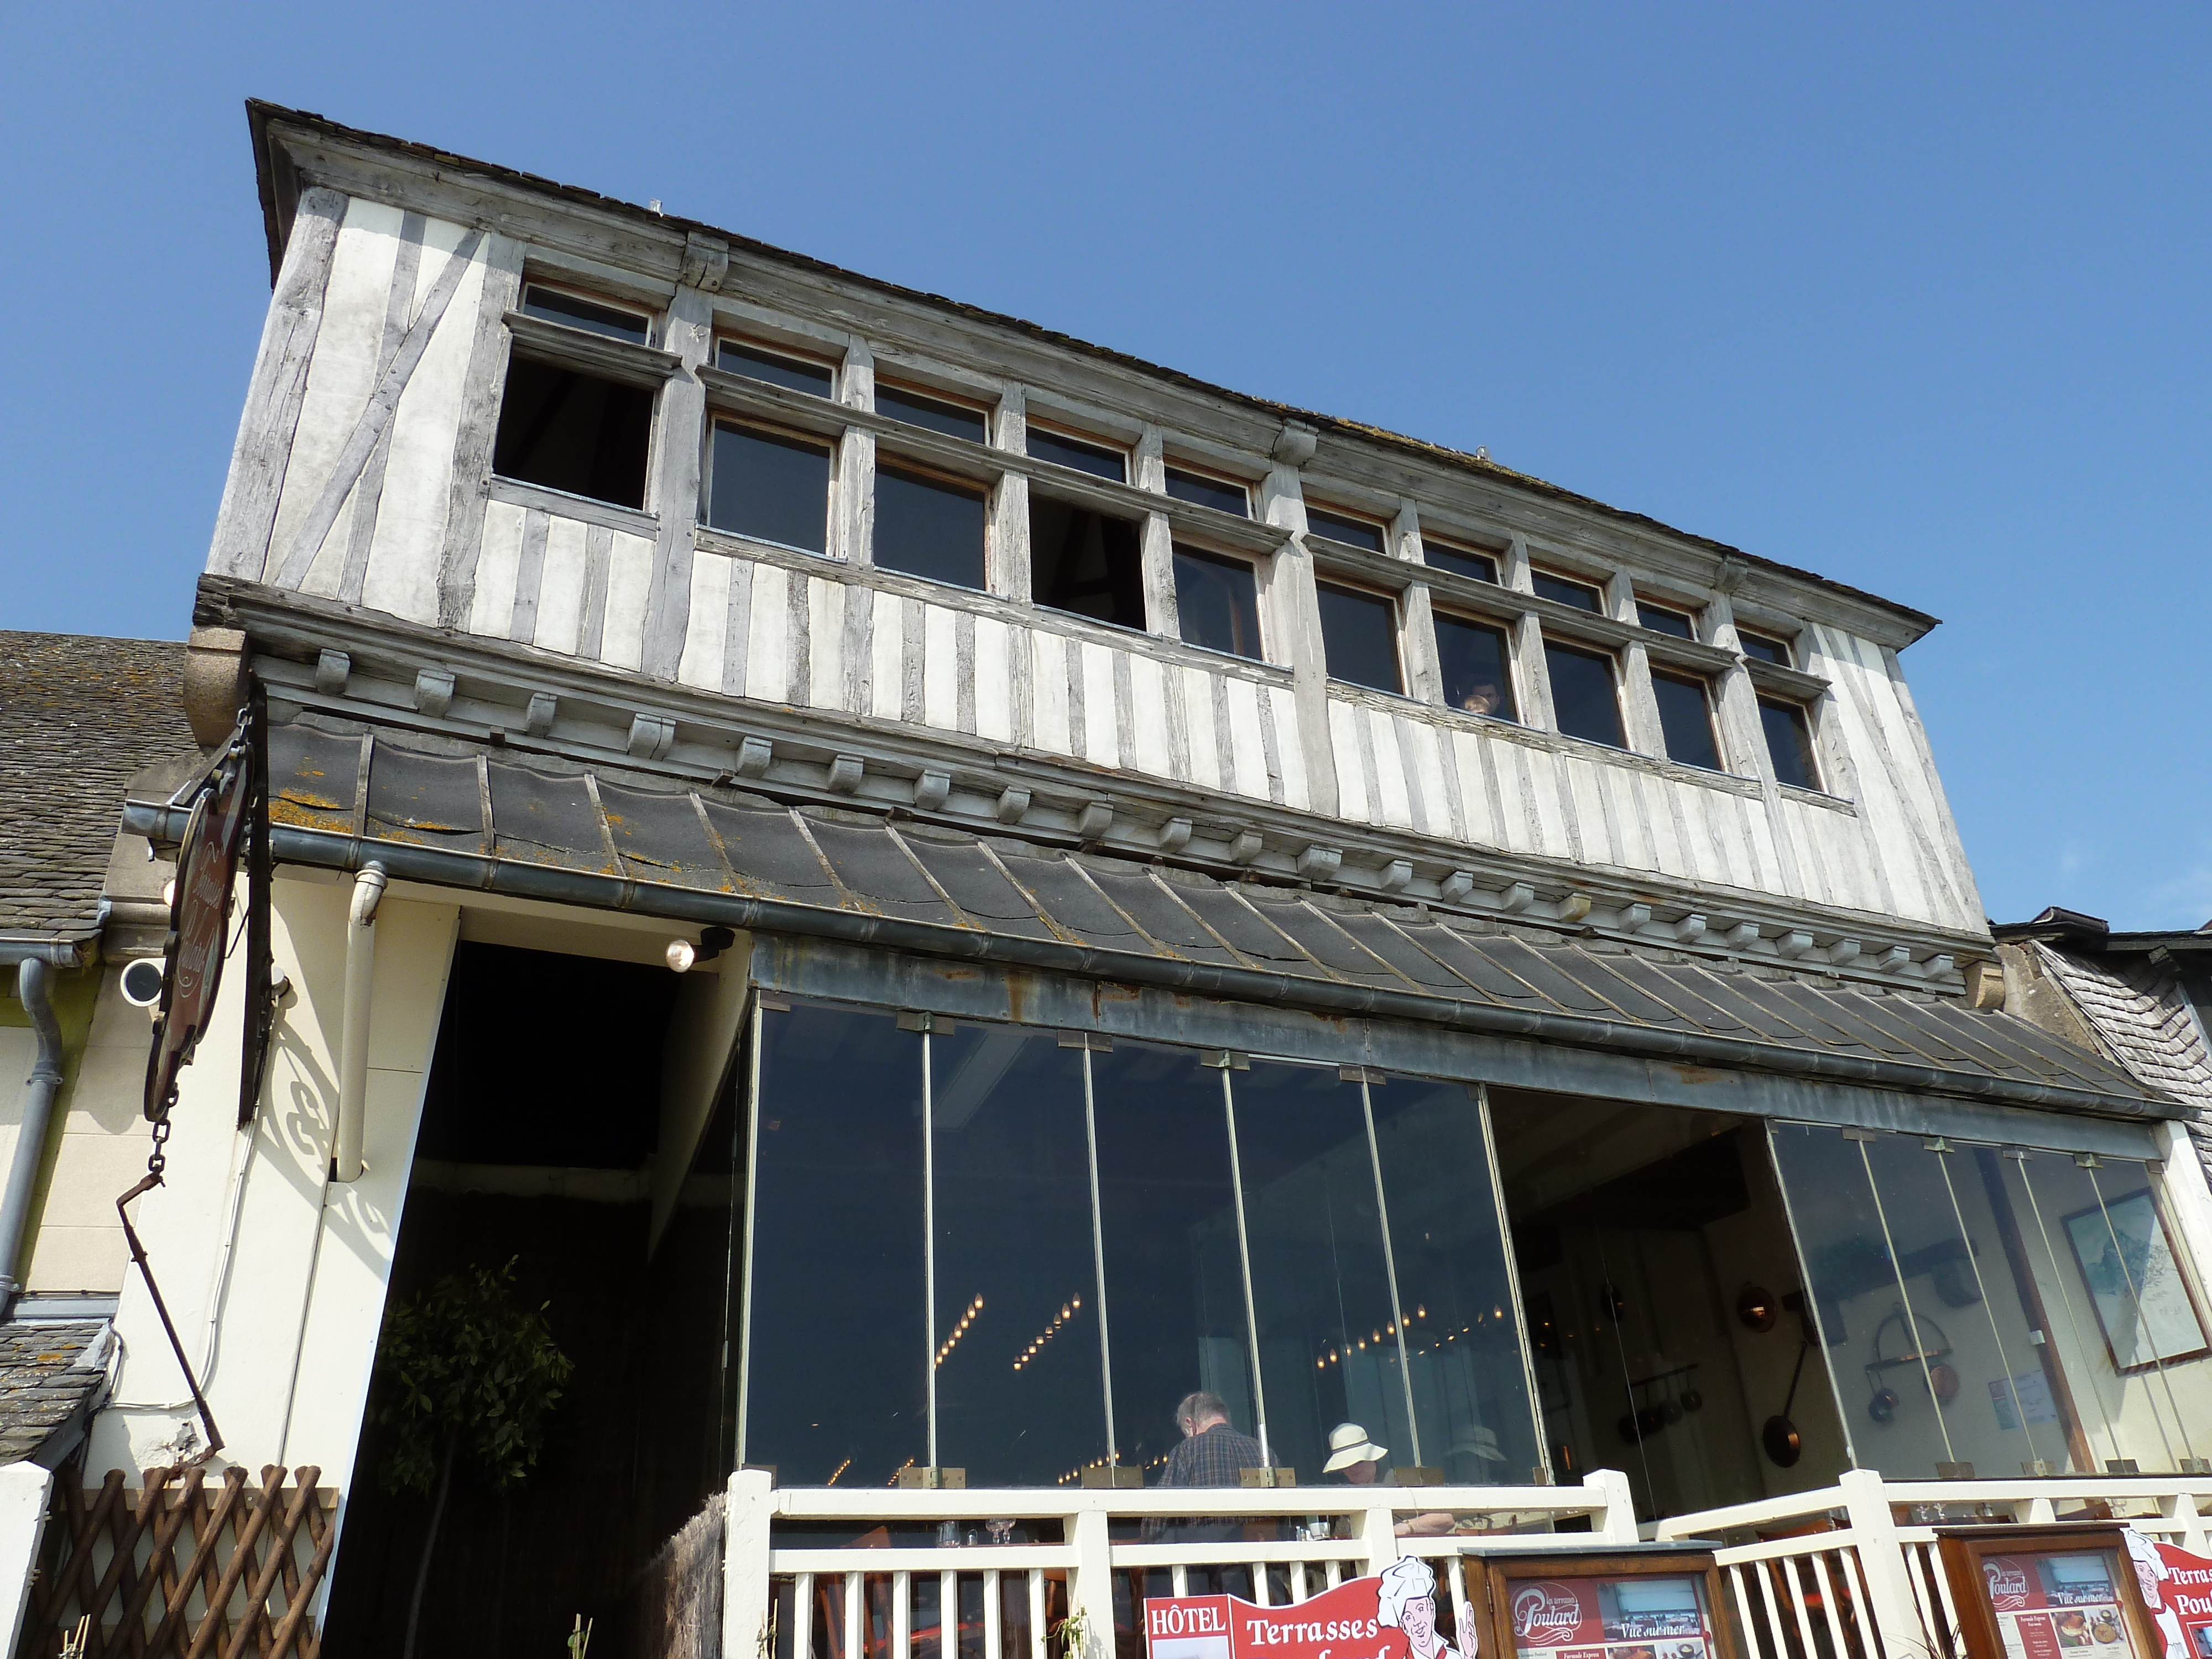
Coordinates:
(214, 681)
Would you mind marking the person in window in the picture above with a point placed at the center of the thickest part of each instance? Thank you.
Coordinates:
(1358, 1462)
(1407, 1601)
(1213, 1453)
(1482, 698)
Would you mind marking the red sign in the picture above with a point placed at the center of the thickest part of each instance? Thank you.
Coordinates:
(1390, 1616)
(2058, 1604)
(1660, 1616)
(2177, 1588)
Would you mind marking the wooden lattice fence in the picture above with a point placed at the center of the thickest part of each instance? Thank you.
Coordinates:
(184, 1566)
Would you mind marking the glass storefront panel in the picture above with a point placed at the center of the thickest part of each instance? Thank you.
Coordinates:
(1470, 1385)
(1175, 1288)
(1021, 1397)
(2006, 1311)
(835, 1390)
(1329, 1338)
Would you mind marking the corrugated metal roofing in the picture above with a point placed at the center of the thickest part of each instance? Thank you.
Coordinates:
(478, 820)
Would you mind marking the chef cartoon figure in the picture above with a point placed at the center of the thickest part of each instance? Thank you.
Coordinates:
(1407, 1601)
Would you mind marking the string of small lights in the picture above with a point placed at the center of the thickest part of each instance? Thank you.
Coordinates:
(1068, 1311)
(960, 1330)
(841, 1467)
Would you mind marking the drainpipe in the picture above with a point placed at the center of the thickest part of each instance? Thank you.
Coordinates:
(46, 1081)
(353, 1052)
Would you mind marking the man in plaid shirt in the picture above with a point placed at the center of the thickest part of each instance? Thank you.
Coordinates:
(1212, 1454)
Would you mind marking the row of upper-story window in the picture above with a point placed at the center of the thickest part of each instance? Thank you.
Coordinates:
(565, 427)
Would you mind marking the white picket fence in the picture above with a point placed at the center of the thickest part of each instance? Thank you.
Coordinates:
(1850, 1571)
(787, 1597)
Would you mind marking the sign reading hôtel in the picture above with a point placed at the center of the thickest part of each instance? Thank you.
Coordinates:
(1391, 1616)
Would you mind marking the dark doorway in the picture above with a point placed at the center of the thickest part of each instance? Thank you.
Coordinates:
(541, 1122)
(1638, 1230)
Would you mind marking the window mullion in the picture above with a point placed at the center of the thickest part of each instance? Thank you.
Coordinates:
(1244, 1265)
(1098, 1258)
(752, 1195)
(929, 1246)
(1390, 1266)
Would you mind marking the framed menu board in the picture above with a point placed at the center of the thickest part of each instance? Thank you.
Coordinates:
(1658, 1603)
(2047, 1593)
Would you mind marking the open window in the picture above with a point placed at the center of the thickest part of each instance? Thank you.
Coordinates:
(575, 416)
(1477, 672)
(1217, 600)
(1359, 637)
(1585, 693)
(1086, 562)
(771, 485)
(929, 525)
(1686, 717)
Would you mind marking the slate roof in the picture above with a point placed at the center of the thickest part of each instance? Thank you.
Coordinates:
(2139, 1012)
(462, 816)
(50, 1374)
(80, 717)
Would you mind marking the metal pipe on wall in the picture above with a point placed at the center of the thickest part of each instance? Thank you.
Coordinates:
(32, 975)
(353, 1049)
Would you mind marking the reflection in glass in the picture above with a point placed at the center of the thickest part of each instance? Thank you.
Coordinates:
(1329, 1349)
(1094, 458)
(835, 1339)
(1566, 590)
(776, 370)
(1352, 532)
(1217, 602)
(1470, 1385)
(1790, 743)
(772, 486)
(1686, 719)
(1460, 561)
(1474, 662)
(1216, 493)
(1659, 620)
(1584, 697)
(929, 527)
(1020, 1389)
(556, 306)
(1174, 1291)
(1359, 637)
(954, 420)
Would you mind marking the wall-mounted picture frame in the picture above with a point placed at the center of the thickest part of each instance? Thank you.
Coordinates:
(2145, 1308)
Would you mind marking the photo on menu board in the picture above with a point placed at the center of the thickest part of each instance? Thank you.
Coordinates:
(1656, 1617)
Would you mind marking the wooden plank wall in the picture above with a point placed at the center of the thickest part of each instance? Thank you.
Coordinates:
(373, 509)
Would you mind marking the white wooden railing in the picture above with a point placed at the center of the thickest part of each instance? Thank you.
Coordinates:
(1850, 1571)
(788, 1598)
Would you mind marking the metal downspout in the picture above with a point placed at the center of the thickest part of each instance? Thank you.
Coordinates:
(46, 1081)
(353, 1051)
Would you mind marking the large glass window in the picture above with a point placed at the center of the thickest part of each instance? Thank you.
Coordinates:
(1686, 719)
(1790, 743)
(929, 526)
(2001, 1310)
(1019, 1269)
(1094, 458)
(1585, 694)
(1359, 637)
(1216, 493)
(1474, 661)
(773, 486)
(1217, 600)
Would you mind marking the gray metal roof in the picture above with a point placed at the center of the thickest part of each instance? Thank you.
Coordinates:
(477, 818)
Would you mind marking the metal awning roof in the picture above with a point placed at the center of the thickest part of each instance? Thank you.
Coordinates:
(477, 819)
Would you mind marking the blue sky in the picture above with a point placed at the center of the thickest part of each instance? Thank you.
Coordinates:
(1913, 296)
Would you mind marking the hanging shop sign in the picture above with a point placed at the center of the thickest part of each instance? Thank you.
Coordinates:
(1392, 1615)
(2049, 1593)
(199, 922)
(1618, 1603)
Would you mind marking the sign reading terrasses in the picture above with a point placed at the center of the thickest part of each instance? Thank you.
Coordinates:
(1391, 1616)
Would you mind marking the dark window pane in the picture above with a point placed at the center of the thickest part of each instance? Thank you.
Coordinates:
(1217, 600)
(929, 527)
(840, 1352)
(1475, 675)
(1327, 1334)
(1084, 458)
(1359, 636)
(1174, 1292)
(770, 486)
(1210, 492)
(756, 364)
(1767, 650)
(1085, 562)
(1583, 695)
(1470, 1388)
(1460, 561)
(1353, 533)
(1790, 743)
(582, 314)
(1686, 717)
(1659, 620)
(1021, 1394)
(952, 419)
(573, 431)
(1581, 595)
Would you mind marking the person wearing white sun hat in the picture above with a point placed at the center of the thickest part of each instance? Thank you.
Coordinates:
(1358, 1460)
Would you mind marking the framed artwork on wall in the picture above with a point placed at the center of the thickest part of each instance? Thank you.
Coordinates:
(2143, 1304)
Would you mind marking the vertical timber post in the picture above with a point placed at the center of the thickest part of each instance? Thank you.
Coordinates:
(1882, 1559)
(745, 1599)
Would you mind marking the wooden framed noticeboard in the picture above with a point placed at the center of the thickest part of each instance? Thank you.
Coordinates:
(2047, 1593)
(1656, 1603)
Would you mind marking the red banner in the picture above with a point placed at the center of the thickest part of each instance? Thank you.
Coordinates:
(1390, 1616)
(2177, 1588)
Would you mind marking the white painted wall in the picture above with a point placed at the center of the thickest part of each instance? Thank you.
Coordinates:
(23, 1488)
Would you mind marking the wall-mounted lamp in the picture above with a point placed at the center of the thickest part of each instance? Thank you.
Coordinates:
(684, 956)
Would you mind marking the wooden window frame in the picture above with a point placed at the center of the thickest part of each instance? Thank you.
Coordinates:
(790, 434)
(1350, 515)
(1509, 659)
(1084, 440)
(1243, 486)
(1467, 547)
(1259, 566)
(892, 460)
(773, 349)
(628, 307)
(1395, 597)
(1557, 574)
(1787, 644)
(930, 394)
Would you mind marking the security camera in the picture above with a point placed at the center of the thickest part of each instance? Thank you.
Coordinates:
(142, 981)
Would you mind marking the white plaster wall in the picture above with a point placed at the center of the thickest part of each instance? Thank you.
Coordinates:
(22, 1520)
(308, 1269)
